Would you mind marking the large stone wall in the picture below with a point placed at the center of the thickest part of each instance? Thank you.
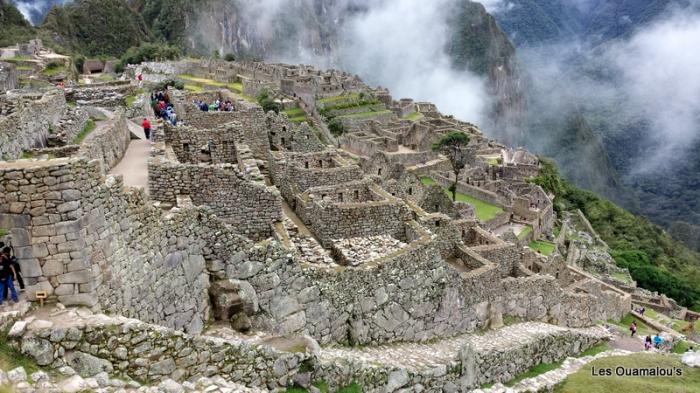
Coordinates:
(28, 126)
(8, 76)
(251, 207)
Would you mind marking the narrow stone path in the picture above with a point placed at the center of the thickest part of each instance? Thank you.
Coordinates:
(417, 356)
(134, 165)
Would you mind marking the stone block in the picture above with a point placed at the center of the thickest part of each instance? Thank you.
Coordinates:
(14, 220)
(40, 250)
(20, 237)
(68, 227)
(68, 206)
(52, 267)
(30, 267)
(77, 277)
(80, 299)
(65, 289)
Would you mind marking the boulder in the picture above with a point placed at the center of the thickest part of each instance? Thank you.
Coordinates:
(691, 358)
(230, 297)
(87, 365)
(40, 350)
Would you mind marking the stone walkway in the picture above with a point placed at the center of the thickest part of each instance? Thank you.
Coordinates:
(134, 165)
(420, 357)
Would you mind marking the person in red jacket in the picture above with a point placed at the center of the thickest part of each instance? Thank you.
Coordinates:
(147, 128)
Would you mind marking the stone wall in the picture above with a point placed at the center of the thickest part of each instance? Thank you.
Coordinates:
(8, 76)
(108, 143)
(28, 126)
(152, 353)
(249, 206)
(111, 94)
(351, 210)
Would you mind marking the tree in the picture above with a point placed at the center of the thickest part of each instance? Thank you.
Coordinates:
(336, 127)
(452, 145)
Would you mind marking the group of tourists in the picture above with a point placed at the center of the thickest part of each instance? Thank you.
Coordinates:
(9, 273)
(216, 106)
(655, 342)
(163, 108)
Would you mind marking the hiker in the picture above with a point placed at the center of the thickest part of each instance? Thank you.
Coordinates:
(641, 311)
(173, 118)
(7, 275)
(18, 269)
(147, 128)
(658, 341)
(647, 343)
(633, 328)
(139, 77)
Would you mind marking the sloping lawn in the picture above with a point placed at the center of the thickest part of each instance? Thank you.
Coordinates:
(484, 210)
(584, 381)
(413, 116)
(545, 248)
(364, 115)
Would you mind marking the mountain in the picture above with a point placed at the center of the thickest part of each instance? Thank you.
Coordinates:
(14, 27)
(96, 27)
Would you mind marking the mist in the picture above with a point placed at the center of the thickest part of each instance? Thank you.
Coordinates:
(35, 10)
(395, 46)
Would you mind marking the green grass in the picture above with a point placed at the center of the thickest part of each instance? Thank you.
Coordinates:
(364, 115)
(622, 277)
(130, 101)
(545, 248)
(626, 321)
(680, 347)
(17, 59)
(10, 358)
(26, 155)
(105, 77)
(299, 119)
(3, 232)
(87, 129)
(596, 349)
(194, 88)
(584, 381)
(235, 86)
(296, 389)
(294, 112)
(525, 232)
(352, 388)
(484, 210)
(413, 116)
(321, 385)
(53, 71)
(24, 68)
(533, 372)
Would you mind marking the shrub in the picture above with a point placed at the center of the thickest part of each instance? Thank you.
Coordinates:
(229, 57)
(336, 127)
(149, 52)
(268, 103)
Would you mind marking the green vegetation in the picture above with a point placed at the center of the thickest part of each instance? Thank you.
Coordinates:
(525, 232)
(533, 372)
(194, 88)
(336, 127)
(3, 232)
(452, 145)
(364, 115)
(484, 210)
(26, 155)
(10, 358)
(178, 84)
(413, 116)
(543, 247)
(130, 99)
(352, 388)
(268, 103)
(89, 127)
(626, 321)
(148, 52)
(680, 347)
(596, 349)
(323, 387)
(622, 277)
(584, 381)
(233, 86)
(339, 100)
(296, 115)
(655, 260)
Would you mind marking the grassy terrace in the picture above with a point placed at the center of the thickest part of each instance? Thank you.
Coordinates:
(585, 381)
(484, 210)
(413, 116)
(339, 100)
(364, 115)
(543, 247)
(296, 115)
(200, 82)
(525, 232)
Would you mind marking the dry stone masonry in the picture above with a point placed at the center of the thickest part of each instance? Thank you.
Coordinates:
(338, 263)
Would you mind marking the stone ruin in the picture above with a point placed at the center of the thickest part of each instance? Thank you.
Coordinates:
(259, 253)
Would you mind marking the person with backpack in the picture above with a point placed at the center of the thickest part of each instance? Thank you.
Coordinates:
(633, 328)
(7, 275)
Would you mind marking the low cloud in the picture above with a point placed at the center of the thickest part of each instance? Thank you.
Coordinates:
(35, 10)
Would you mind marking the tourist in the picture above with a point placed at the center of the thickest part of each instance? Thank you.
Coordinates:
(658, 341)
(647, 343)
(173, 118)
(641, 310)
(139, 77)
(147, 128)
(18, 269)
(633, 328)
(7, 275)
